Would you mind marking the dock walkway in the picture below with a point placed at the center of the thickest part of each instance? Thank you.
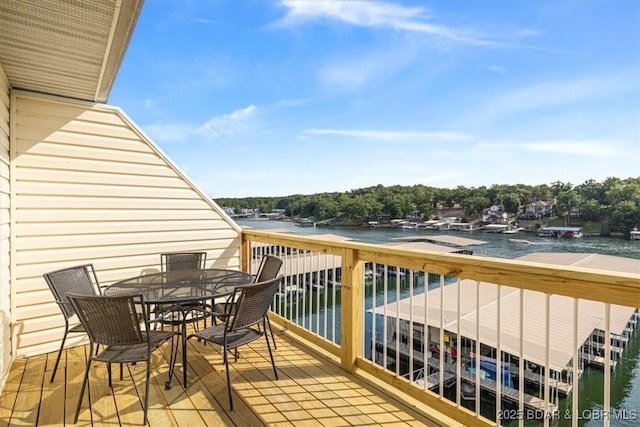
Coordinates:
(563, 388)
(508, 393)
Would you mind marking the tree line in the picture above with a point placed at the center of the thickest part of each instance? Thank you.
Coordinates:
(615, 201)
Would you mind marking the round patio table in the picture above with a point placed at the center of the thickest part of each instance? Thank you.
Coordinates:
(177, 291)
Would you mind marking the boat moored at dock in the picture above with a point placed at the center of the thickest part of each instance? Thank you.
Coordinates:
(411, 330)
(564, 232)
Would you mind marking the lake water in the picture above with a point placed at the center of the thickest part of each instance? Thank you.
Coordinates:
(498, 245)
(625, 380)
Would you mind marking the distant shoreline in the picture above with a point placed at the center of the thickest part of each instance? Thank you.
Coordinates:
(324, 224)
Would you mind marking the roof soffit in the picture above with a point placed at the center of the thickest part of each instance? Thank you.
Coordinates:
(70, 48)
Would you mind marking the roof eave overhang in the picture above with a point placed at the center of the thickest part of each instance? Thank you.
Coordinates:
(122, 30)
(68, 49)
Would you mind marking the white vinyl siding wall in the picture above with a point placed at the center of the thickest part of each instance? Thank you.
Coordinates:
(91, 188)
(5, 231)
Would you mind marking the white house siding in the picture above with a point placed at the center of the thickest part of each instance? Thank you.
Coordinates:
(5, 231)
(90, 188)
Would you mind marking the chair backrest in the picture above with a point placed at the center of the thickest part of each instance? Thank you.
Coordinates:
(80, 279)
(253, 303)
(110, 320)
(183, 261)
(269, 268)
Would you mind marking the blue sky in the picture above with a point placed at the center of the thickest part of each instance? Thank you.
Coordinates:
(272, 98)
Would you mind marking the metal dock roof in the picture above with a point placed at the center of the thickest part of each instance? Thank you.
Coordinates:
(590, 314)
(442, 239)
(424, 246)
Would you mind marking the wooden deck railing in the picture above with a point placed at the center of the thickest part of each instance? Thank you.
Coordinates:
(355, 302)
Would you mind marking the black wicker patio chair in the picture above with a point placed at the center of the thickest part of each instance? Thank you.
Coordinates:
(251, 305)
(113, 324)
(79, 279)
(268, 269)
(183, 261)
(173, 315)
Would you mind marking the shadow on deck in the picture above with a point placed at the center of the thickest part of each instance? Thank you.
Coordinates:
(312, 390)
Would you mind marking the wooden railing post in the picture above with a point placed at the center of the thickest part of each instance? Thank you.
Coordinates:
(352, 310)
(245, 254)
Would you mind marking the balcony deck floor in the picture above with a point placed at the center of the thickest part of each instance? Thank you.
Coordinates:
(312, 390)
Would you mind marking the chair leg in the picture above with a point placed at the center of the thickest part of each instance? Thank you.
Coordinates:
(273, 338)
(84, 384)
(226, 365)
(184, 354)
(109, 375)
(172, 362)
(146, 392)
(64, 338)
(273, 363)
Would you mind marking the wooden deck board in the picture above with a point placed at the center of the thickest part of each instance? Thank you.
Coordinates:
(27, 404)
(10, 392)
(51, 412)
(311, 390)
(70, 379)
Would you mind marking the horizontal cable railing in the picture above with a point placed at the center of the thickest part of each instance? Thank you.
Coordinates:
(482, 340)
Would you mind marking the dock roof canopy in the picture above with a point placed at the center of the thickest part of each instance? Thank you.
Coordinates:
(591, 314)
(329, 236)
(424, 246)
(444, 239)
(573, 229)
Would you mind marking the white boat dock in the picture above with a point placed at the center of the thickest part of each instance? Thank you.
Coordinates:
(508, 393)
(590, 317)
(425, 246)
(563, 388)
(453, 241)
(433, 380)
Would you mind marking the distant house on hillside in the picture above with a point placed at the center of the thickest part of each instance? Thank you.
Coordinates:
(415, 216)
(380, 216)
(275, 214)
(538, 209)
(494, 215)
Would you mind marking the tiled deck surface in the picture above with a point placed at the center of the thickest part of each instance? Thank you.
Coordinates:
(312, 391)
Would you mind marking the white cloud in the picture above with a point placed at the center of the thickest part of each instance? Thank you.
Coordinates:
(384, 135)
(576, 148)
(229, 124)
(205, 21)
(233, 124)
(555, 105)
(497, 69)
(347, 74)
(293, 102)
(169, 132)
(379, 15)
(356, 71)
(550, 94)
(359, 13)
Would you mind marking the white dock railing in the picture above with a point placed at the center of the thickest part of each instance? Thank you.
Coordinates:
(423, 322)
